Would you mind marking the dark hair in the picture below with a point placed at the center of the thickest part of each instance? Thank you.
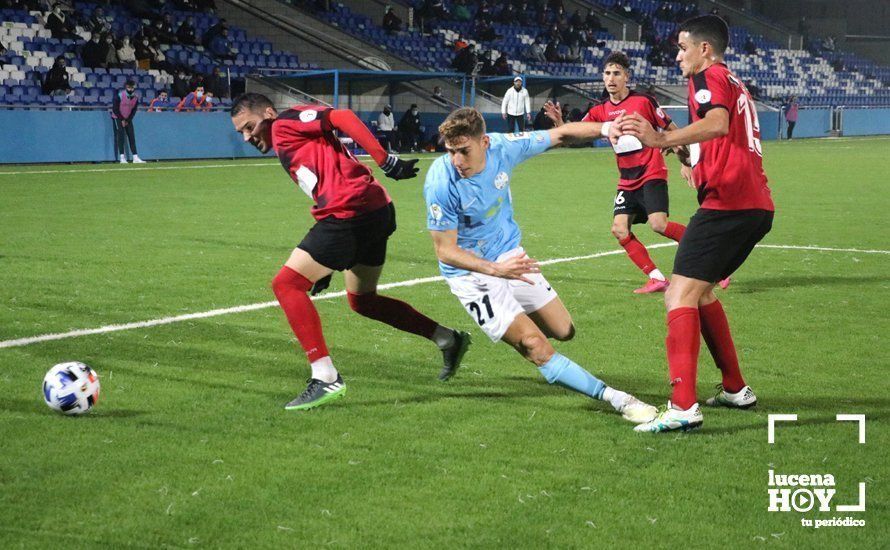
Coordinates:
(130, 83)
(710, 29)
(618, 58)
(250, 102)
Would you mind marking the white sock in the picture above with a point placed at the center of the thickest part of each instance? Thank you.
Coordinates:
(657, 274)
(443, 337)
(614, 397)
(323, 369)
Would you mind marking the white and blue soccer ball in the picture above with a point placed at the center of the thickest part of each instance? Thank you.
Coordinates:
(71, 388)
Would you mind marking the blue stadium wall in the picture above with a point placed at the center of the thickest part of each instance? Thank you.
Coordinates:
(86, 136)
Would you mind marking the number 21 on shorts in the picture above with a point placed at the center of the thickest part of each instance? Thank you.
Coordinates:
(481, 308)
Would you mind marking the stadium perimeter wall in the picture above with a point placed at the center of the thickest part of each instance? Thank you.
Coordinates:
(86, 136)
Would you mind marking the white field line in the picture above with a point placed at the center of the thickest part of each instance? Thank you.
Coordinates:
(18, 342)
(150, 167)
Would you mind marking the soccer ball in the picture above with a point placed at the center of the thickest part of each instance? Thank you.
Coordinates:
(71, 388)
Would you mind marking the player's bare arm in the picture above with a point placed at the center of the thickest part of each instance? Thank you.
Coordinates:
(582, 131)
(715, 124)
(448, 252)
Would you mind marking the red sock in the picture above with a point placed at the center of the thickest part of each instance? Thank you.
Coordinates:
(291, 290)
(683, 343)
(674, 231)
(715, 329)
(638, 253)
(394, 313)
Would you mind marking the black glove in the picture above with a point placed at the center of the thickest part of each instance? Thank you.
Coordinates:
(399, 169)
(320, 285)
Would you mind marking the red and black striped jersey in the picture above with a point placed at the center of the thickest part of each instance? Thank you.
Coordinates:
(729, 169)
(340, 185)
(645, 163)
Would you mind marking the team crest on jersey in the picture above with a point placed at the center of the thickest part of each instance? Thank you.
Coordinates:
(539, 138)
(703, 96)
(436, 212)
(308, 116)
(516, 136)
(500, 181)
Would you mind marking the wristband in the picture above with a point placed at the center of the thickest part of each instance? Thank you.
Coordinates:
(605, 129)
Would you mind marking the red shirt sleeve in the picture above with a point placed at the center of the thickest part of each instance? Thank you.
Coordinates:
(712, 90)
(346, 121)
(658, 116)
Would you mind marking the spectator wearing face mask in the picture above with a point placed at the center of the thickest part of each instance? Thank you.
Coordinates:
(409, 128)
(60, 25)
(126, 54)
(56, 79)
(194, 101)
(386, 126)
(161, 103)
(181, 83)
(92, 52)
(109, 53)
(123, 110)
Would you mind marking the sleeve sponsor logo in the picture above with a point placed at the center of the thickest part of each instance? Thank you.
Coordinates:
(703, 96)
(500, 181)
(436, 212)
(308, 116)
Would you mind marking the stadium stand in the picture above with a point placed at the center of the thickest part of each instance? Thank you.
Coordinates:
(31, 50)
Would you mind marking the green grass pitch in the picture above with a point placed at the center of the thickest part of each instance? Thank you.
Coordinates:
(190, 445)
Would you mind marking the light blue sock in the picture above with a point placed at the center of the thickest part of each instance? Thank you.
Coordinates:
(565, 372)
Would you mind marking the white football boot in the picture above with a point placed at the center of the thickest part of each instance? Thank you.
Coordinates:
(743, 399)
(123, 159)
(671, 419)
(634, 410)
(137, 160)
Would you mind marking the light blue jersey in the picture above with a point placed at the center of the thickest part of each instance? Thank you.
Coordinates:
(480, 208)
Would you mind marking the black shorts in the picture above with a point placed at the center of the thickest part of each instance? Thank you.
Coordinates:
(650, 198)
(717, 242)
(341, 244)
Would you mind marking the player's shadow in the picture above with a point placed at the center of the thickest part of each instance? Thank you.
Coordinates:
(750, 286)
(35, 406)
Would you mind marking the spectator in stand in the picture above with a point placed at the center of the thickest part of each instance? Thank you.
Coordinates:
(516, 107)
(465, 60)
(217, 83)
(462, 11)
(221, 46)
(186, 33)
(534, 52)
(98, 23)
(92, 51)
(163, 30)
(213, 32)
(791, 109)
(438, 97)
(60, 25)
(144, 53)
(502, 66)
(507, 15)
(209, 102)
(4, 58)
(194, 101)
(123, 109)
(56, 79)
(181, 83)
(542, 121)
(460, 43)
(126, 54)
(392, 23)
(828, 44)
(410, 129)
(551, 53)
(750, 47)
(483, 12)
(803, 27)
(160, 103)
(109, 53)
(487, 68)
(386, 126)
